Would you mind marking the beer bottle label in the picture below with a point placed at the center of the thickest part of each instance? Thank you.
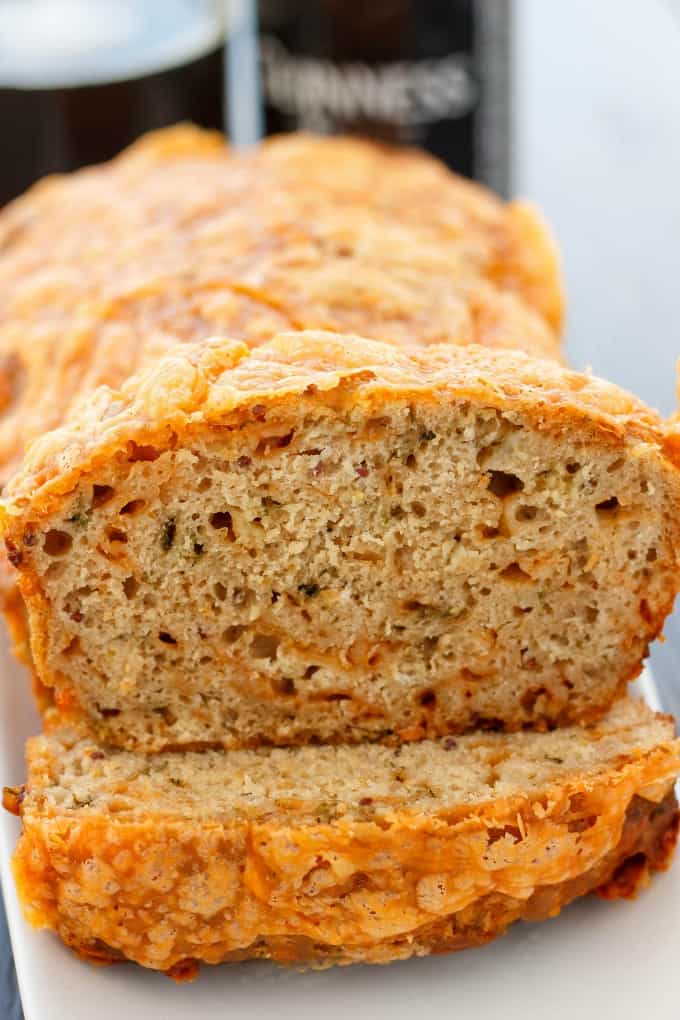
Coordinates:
(431, 73)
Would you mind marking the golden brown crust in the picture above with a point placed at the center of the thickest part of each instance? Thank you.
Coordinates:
(646, 845)
(221, 383)
(302, 232)
(169, 886)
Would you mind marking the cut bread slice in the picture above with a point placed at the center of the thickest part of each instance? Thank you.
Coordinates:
(337, 854)
(331, 539)
(179, 238)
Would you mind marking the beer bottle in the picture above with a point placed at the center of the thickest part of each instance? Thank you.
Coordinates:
(431, 73)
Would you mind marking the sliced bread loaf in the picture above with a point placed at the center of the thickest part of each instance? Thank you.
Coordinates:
(328, 538)
(337, 854)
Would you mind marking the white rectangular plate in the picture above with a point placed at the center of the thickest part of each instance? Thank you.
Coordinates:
(596, 960)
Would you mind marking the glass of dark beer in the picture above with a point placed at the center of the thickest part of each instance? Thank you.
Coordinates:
(80, 79)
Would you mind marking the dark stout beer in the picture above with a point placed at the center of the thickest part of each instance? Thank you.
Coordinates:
(432, 73)
(81, 79)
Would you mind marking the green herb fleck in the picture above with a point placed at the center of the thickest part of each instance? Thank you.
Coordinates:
(81, 802)
(168, 534)
(324, 812)
(79, 518)
(310, 590)
(428, 436)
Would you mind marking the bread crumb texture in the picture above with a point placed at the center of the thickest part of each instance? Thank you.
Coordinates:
(337, 854)
(330, 538)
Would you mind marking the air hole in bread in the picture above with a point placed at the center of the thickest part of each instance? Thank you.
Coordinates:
(57, 543)
(135, 506)
(269, 443)
(427, 698)
(137, 451)
(168, 532)
(220, 591)
(608, 506)
(130, 587)
(73, 647)
(283, 685)
(264, 646)
(513, 572)
(204, 484)
(414, 606)
(530, 697)
(221, 521)
(166, 638)
(502, 484)
(101, 494)
(489, 531)
(232, 634)
(167, 715)
(116, 535)
(418, 509)
(108, 713)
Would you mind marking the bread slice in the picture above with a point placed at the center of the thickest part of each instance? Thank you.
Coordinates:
(103, 270)
(331, 539)
(337, 854)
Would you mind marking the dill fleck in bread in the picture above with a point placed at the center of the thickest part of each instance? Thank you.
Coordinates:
(325, 855)
(103, 270)
(328, 538)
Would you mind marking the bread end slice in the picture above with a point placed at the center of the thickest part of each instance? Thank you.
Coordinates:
(329, 855)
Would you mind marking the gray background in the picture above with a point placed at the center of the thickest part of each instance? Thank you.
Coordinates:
(597, 129)
(597, 132)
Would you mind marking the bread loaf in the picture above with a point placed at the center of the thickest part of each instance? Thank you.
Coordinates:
(337, 854)
(329, 538)
(103, 270)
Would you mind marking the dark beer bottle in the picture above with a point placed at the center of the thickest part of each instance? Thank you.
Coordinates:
(81, 79)
(431, 73)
